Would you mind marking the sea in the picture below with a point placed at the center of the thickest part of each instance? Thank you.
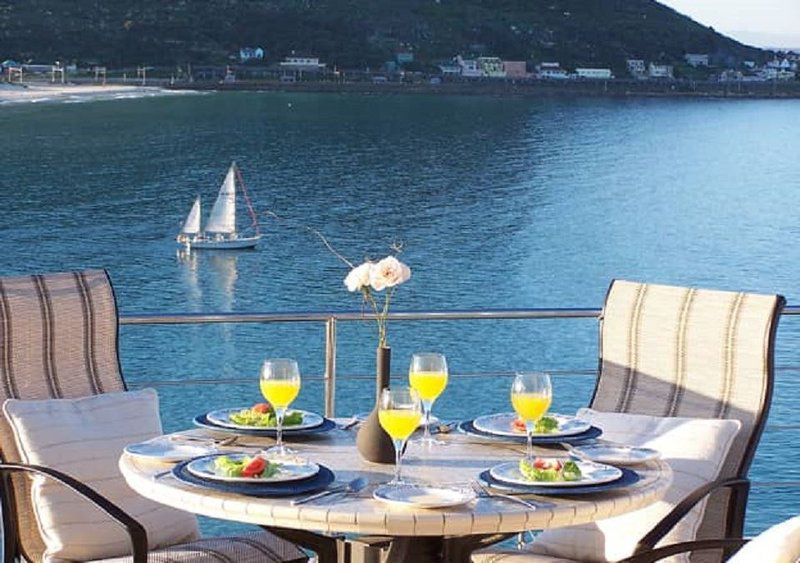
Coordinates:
(496, 202)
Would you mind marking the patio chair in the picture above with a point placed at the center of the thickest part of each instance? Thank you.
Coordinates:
(682, 352)
(58, 339)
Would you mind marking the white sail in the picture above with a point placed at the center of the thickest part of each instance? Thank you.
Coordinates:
(223, 215)
(192, 224)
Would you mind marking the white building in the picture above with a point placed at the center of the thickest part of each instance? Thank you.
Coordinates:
(302, 64)
(594, 73)
(659, 71)
(636, 67)
(551, 70)
(469, 67)
(696, 59)
(491, 67)
(250, 53)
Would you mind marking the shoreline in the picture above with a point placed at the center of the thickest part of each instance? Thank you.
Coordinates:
(39, 92)
(533, 88)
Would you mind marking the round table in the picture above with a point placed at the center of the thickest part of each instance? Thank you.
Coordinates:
(458, 462)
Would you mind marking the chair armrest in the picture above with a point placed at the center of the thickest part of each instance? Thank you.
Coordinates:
(730, 544)
(649, 540)
(135, 530)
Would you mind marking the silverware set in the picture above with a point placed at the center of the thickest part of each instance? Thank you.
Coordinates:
(484, 492)
(355, 486)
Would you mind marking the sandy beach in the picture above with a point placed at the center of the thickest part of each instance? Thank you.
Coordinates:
(39, 92)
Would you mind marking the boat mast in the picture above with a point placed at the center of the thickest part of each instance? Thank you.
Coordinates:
(248, 203)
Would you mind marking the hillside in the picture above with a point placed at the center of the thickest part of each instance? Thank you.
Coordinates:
(355, 33)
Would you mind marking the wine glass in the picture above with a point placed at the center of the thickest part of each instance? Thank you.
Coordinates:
(399, 413)
(280, 384)
(428, 377)
(531, 394)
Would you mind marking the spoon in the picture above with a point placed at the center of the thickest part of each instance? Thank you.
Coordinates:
(354, 486)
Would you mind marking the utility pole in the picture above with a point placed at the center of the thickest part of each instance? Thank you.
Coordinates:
(142, 72)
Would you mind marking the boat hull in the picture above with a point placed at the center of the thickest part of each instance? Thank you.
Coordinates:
(225, 244)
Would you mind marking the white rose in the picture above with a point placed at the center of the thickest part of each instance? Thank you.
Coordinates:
(389, 272)
(359, 277)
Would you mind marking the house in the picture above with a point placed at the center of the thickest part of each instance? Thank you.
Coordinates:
(731, 75)
(491, 67)
(302, 64)
(696, 59)
(469, 67)
(659, 71)
(404, 57)
(594, 73)
(251, 53)
(515, 69)
(551, 70)
(636, 67)
(450, 69)
(749, 64)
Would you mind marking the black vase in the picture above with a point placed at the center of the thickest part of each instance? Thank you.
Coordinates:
(372, 442)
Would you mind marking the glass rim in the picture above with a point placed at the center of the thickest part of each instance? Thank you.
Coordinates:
(427, 354)
(279, 361)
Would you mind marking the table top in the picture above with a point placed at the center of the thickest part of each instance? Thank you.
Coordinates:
(458, 462)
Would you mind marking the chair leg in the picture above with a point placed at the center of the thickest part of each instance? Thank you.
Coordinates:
(328, 549)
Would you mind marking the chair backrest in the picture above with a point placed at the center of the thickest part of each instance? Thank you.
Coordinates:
(678, 351)
(58, 339)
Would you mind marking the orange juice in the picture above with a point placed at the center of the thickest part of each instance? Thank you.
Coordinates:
(429, 384)
(280, 393)
(399, 423)
(530, 406)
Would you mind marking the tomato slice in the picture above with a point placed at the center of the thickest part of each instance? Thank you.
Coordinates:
(519, 425)
(262, 408)
(255, 467)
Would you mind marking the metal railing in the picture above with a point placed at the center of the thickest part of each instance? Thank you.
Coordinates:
(330, 319)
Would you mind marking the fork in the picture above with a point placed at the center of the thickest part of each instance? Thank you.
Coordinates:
(483, 492)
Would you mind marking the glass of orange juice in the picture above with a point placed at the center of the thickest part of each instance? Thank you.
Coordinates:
(531, 394)
(428, 377)
(280, 385)
(399, 413)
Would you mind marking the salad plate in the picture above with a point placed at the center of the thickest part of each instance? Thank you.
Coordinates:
(258, 487)
(421, 496)
(617, 454)
(551, 425)
(467, 427)
(555, 472)
(162, 448)
(249, 418)
(232, 468)
(202, 421)
(629, 477)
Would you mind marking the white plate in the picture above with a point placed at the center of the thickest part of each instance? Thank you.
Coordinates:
(420, 496)
(617, 454)
(164, 449)
(221, 417)
(500, 425)
(591, 474)
(289, 471)
(362, 416)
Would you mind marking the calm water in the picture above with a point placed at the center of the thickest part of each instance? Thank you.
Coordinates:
(500, 203)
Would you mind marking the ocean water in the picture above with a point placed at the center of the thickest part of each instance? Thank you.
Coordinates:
(499, 203)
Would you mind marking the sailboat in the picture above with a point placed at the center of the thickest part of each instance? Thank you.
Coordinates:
(220, 232)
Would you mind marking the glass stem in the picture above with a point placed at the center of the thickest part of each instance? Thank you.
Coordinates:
(279, 414)
(398, 457)
(426, 432)
(529, 427)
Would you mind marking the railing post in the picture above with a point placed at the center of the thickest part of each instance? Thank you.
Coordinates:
(330, 367)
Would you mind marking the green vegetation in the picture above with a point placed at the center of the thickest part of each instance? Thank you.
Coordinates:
(356, 33)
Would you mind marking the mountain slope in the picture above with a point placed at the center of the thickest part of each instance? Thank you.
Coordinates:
(355, 33)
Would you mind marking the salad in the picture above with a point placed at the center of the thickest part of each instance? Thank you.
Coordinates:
(263, 415)
(545, 425)
(256, 467)
(549, 469)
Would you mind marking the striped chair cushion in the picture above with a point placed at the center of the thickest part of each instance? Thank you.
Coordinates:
(257, 547)
(58, 338)
(85, 438)
(695, 450)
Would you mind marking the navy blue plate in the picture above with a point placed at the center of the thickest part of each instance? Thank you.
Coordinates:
(326, 426)
(593, 432)
(285, 489)
(629, 477)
